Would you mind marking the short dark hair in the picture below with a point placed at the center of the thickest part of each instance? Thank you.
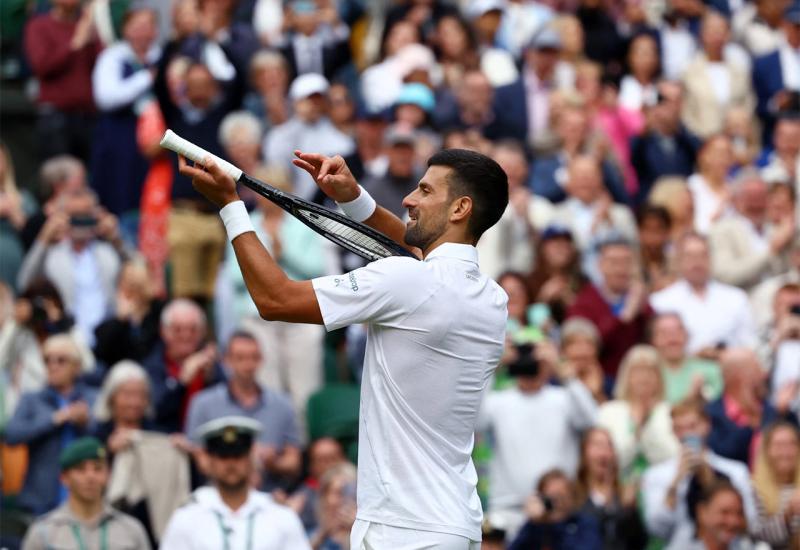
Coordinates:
(481, 179)
(659, 213)
(612, 240)
(239, 335)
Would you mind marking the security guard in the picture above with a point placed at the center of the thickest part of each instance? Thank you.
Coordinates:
(230, 515)
(85, 521)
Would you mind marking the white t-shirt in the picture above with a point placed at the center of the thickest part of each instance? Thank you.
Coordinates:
(435, 334)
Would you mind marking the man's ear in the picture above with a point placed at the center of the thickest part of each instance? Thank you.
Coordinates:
(461, 209)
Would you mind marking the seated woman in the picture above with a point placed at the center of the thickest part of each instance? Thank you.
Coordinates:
(336, 509)
(776, 479)
(638, 418)
(604, 497)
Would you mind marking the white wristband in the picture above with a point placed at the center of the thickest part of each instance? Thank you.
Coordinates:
(360, 208)
(236, 219)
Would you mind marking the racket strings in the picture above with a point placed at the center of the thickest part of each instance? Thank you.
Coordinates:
(348, 236)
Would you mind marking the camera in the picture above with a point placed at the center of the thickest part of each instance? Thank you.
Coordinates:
(525, 363)
(83, 221)
(795, 310)
(548, 503)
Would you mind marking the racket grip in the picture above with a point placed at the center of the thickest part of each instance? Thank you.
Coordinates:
(186, 148)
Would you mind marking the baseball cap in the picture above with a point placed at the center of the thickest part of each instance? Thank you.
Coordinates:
(546, 39)
(307, 85)
(81, 450)
(479, 7)
(417, 94)
(303, 6)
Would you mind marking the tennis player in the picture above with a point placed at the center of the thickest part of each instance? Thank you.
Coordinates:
(436, 333)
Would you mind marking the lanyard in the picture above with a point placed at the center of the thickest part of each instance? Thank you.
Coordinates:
(226, 531)
(76, 531)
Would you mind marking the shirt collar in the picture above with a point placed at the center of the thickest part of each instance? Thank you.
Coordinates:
(457, 251)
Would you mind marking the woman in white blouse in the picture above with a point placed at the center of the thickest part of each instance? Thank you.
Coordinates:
(638, 87)
(638, 418)
(709, 186)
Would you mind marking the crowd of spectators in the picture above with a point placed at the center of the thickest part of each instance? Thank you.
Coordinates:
(650, 389)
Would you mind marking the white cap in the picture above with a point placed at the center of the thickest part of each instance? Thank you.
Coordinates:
(307, 85)
(479, 7)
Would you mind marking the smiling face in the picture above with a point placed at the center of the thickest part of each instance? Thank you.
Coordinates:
(428, 208)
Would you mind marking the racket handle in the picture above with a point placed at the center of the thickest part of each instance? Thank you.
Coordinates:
(176, 143)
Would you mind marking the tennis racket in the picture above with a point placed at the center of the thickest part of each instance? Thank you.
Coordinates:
(334, 226)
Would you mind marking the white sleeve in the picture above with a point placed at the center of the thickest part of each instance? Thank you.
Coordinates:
(583, 407)
(660, 520)
(746, 333)
(112, 90)
(381, 292)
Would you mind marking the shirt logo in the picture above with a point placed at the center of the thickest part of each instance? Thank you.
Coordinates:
(353, 283)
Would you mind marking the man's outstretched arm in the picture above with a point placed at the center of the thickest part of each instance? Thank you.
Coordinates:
(333, 176)
(277, 297)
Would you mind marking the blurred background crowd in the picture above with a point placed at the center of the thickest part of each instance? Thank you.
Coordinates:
(650, 389)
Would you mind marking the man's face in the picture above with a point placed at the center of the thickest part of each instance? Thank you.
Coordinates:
(201, 88)
(86, 481)
(323, 455)
(722, 517)
(141, 30)
(558, 490)
(581, 353)
(689, 424)
(230, 473)
(183, 335)
(585, 181)
(616, 267)
(670, 338)
(243, 358)
(475, 92)
(514, 165)
(694, 262)
(428, 208)
(83, 206)
(310, 109)
(653, 233)
(401, 160)
(62, 367)
(787, 138)
(751, 201)
(543, 61)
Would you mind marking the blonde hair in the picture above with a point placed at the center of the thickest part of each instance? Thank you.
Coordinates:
(121, 373)
(764, 481)
(276, 176)
(135, 275)
(9, 180)
(640, 356)
(66, 344)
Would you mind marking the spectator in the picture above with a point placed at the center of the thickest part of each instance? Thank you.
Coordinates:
(122, 82)
(666, 147)
(181, 364)
(575, 138)
(709, 185)
(780, 340)
(655, 226)
(324, 454)
(133, 331)
(522, 108)
(61, 47)
(315, 40)
(455, 46)
(704, 106)
(580, 349)
(776, 479)
(402, 173)
(573, 46)
(337, 508)
(743, 411)
(47, 421)
(605, 498)
(553, 519)
(508, 245)
(343, 108)
(520, 328)
(780, 163)
(721, 522)
(292, 353)
(741, 126)
(638, 87)
(716, 315)
(15, 207)
(230, 508)
(309, 129)
(603, 41)
(80, 251)
(772, 73)
(758, 26)
(219, 30)
(84, 473)
(241, 135)
(277, 446)
(617, 304)
(512, 417)
(414, 106)
(381, 83)
(762, 297)
(670, 490)
(369, 158)
(269, 78)
(685, 377)
(745, 249)
(470, 105)
(781, 202)
(497, 63)
(638, 417)
(672, 193)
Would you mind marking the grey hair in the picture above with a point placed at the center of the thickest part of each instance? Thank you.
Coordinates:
(58, 169)
(266, 58)
(242, 124)
(580, 327)
(121, 373)
(743, 177)
(178, 305)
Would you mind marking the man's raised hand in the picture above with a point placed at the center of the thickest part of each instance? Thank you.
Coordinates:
(331, 175)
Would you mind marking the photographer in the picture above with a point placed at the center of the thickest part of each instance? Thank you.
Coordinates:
(79, 250)
(514, 419)
(553, 520)
(780, 349)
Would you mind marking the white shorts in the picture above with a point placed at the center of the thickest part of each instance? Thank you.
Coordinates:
(377, 536)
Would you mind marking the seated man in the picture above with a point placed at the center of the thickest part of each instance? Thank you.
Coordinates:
(85, 517)
(47, 421)
(278, 442)
(684, 376)
(671, 489)
(180, 366)
(738, 417)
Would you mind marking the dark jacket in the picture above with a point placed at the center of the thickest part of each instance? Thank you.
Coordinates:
(732, 441)
(32, 424)
(116, 339)
(579, 531)
(654, 156)
(543, 180)
(620, 528)
(767, 81)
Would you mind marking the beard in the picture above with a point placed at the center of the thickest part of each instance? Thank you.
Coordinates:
(421, 235)
(232, 485)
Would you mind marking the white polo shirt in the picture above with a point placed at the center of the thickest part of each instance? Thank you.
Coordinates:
(435, 335)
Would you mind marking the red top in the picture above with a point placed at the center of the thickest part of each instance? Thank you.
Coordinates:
(196, 385)
(65, 76)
